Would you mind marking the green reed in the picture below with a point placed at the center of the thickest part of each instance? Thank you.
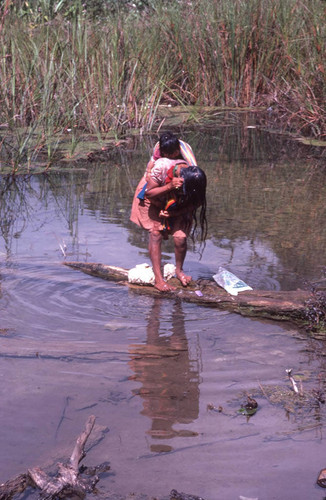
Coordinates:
(61, 69)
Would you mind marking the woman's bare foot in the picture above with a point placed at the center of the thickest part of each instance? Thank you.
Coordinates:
(183, 278)
(163, 286)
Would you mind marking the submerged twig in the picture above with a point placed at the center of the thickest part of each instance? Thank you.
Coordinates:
(293, 382)
(62, 249)
(264, 392)
(62, 246)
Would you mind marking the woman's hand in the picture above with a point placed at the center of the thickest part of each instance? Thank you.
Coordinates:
(164, 214)
(176, 183)
(155, 190)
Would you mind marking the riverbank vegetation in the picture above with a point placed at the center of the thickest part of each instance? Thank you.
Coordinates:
(69, 67)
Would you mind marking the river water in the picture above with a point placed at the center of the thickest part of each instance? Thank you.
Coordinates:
(154, 371)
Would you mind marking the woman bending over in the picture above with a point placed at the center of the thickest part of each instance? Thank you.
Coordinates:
(186, 186)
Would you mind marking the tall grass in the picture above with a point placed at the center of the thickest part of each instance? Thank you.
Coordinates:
(61, 69)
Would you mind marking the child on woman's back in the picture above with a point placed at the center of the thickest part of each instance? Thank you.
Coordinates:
(148, 210)
(169, 146)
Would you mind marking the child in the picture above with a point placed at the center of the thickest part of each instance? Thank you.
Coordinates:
(169, 146)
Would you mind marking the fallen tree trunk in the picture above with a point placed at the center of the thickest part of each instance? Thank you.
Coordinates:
(299, 306)
(68, 483)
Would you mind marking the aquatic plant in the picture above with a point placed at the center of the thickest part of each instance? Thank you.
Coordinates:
(315, 312)
(108, 66)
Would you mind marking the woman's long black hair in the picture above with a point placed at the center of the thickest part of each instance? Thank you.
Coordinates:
(194, 193)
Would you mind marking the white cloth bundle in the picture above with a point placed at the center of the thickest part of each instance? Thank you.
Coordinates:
(143, 274)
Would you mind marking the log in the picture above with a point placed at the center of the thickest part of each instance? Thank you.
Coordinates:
(175, 495)
(301, 307)
(67, 483)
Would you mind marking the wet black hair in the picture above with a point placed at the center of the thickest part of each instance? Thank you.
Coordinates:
(194, 194)
(169, 143)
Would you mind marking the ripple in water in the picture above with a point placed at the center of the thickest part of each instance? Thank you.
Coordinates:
(54, 300)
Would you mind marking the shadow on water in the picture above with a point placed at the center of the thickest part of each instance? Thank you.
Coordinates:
(72, 344)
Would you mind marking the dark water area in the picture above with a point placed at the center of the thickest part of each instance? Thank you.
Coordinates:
(148, 368)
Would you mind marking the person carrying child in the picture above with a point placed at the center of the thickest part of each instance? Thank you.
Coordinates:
(187, 188)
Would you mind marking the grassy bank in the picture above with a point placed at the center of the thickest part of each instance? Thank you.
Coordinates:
(66, 70)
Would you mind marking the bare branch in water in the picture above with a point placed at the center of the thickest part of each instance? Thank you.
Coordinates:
(293, 382)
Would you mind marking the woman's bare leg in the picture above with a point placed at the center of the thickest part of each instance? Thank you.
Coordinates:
(155, 242)
(180, 250)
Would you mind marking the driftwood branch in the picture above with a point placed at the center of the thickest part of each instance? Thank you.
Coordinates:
(79, 452)
(15, 486)
(175, 495)
(278, 305)
(66, 484)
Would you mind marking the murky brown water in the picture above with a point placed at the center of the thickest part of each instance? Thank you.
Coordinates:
(73, 345)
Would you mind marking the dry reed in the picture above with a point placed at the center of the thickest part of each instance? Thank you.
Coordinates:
(61, 69)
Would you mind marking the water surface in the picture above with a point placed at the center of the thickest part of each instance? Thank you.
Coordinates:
(73, 345)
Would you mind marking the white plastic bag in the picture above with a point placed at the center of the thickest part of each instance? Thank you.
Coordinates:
(230, 282)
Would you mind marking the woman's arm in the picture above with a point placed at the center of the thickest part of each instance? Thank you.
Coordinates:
(149, 167)
(154, 189)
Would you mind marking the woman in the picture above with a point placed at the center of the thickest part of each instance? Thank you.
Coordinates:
(188, 188)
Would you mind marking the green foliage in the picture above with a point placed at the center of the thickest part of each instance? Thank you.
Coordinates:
(99, 66)
(47, 10)
(315, 312)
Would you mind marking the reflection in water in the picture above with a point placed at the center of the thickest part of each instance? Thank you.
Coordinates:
(14, 208)
(25, 201)
(266, 210)
(169, 378)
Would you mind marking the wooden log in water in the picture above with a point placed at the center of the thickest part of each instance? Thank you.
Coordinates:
(67, 483)
(111, 273)
(278, 305)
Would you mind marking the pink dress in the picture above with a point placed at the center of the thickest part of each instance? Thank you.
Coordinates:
(146, 215)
